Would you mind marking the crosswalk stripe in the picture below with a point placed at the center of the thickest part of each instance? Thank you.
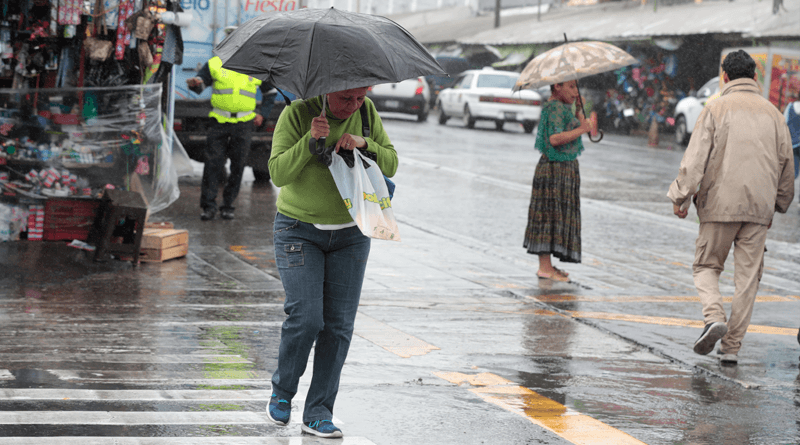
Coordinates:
(133, 394)
(215, 377)
(125, 358)
(131, 418)
(228, 440)
(98, 325)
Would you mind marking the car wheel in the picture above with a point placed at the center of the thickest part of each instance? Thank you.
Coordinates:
(528, 126)
(261, 176)
(442, 115)
(681, 135)
(498, 125)
(469, 121)
(422, 117)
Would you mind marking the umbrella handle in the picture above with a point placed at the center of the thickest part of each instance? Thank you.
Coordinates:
(580, 101)
(321, 141)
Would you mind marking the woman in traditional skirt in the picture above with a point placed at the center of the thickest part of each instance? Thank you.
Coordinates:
(554, 216)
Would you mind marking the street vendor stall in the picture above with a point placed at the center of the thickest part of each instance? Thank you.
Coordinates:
(82, 132)
(78, 142)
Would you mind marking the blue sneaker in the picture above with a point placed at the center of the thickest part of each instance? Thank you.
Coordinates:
(321, 428)
(279, 410)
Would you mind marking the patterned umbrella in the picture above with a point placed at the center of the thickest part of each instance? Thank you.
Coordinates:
(572, 61)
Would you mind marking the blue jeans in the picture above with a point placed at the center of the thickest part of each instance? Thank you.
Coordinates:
(322, 272)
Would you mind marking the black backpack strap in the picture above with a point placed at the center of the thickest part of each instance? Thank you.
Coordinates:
(365, 131)
(364, 120)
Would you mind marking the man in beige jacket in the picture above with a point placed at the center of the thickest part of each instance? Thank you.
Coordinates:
(740, 157)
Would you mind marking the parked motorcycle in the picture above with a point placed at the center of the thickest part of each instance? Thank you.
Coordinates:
(621, 116)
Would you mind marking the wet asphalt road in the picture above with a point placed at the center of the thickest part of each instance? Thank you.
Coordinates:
(457, 341)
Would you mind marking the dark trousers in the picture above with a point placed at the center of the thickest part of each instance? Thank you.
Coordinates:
(224, 141)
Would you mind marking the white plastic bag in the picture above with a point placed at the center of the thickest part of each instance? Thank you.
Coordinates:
(365, 194)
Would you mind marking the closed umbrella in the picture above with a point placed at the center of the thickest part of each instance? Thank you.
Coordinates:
(310, 52)
(572, 61)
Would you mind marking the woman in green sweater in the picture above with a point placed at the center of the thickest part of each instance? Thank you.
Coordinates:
(320, 252)
(554, 215)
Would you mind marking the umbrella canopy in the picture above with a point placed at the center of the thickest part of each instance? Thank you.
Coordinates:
(572, 61)
(310, 52)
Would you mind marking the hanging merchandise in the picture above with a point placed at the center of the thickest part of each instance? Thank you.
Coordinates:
(123, 33)
(145, 56)
(111, 13)
(54, 17)
(141, 23)
(6, 46)
(671, 65)
(97, 49)
(69, 12)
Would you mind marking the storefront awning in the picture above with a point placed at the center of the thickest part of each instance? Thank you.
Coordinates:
(632, 20)
(611, 21)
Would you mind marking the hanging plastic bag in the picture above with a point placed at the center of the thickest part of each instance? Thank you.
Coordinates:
(364, 192)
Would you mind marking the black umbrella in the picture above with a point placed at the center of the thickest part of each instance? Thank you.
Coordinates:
(310, 52)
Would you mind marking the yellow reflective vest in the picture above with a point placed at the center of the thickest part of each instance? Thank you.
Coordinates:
(234, 96)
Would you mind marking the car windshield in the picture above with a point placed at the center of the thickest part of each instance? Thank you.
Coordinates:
(496, 81)
(709, 88)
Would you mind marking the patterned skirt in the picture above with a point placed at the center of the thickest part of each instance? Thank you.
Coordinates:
(554, 215)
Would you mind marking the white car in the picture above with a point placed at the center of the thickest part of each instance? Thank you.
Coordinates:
(487, 95)
(410, 96)
(688, 110)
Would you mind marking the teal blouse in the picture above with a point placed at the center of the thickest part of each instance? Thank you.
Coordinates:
(557, 117)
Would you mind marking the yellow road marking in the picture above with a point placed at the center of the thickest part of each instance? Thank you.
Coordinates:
(389, 338)
(653, 299)
(669, 321)
(255, 257)
(571, 425)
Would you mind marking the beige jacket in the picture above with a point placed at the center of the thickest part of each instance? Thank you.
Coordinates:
(740, 156)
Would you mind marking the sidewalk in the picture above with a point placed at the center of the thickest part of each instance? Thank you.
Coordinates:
(444, 319)
(433, 260)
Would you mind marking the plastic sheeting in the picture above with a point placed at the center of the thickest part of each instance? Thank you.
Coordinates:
(79, 141)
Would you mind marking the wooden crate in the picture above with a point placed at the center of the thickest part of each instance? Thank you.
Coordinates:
(159, 245)
(161, 239)
(161, 255)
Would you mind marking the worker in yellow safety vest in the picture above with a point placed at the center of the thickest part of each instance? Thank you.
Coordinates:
(233, 102)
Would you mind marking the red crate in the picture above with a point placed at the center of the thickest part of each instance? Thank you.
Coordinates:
(69, 218)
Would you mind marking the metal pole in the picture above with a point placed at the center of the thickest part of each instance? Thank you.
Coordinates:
(496, 13)
(214, 25)
(171, 109)
(238, 12)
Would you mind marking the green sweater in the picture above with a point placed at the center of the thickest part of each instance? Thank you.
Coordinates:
(557, 117)
(308, 192)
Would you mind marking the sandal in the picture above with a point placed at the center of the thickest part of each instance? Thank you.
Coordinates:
(561, 272)
(553, 276)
